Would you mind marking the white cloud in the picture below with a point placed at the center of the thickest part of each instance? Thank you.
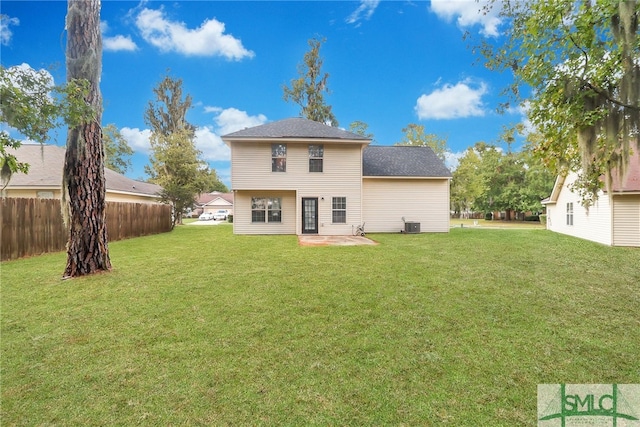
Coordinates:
(118, 43)
(226, 120)
(469, 13)
(231, 119)
(137, 139)
(211, 145)
(5, 31)
(207, 138)
(452, 160)
(364, 11)
(452, 102)
(207, 40)
(209, 109)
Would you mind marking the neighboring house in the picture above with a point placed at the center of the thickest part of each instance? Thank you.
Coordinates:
(44, 179)
(297, 176)
(212, 202)
(613, 220)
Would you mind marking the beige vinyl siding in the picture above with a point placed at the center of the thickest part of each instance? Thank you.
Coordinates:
(386, 201)
(341, 177)
(32, 193)
(593, 224)
(111, 196)
(242, 217)
(252, 166)
(626, 220)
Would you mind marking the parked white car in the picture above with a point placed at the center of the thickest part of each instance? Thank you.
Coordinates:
(221, 215)
(206, 216)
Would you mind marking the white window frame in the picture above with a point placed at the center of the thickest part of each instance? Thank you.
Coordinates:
(339, 209)
(313, 157)
(269, 214)
(278, 158)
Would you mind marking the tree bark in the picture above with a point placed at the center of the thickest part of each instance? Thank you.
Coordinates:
(84, 188)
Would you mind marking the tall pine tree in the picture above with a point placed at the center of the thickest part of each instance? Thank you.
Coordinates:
(308, 89)
(84, 188)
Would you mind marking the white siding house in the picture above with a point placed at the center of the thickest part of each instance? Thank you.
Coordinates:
(296, 176)
(613, 220)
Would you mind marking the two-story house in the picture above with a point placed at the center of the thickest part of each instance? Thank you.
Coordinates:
(297, 176)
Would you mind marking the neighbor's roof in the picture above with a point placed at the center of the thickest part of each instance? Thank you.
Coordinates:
(631, 182)
(205, 198)
(296, 128)
(402, 161)
(632, 177)
(45, 171)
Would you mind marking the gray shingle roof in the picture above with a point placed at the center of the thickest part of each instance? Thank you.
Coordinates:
(401, 160)
(295, 128)
(45, 170)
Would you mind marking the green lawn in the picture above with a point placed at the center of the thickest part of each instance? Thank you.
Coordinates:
(482, 223)
(201, 327)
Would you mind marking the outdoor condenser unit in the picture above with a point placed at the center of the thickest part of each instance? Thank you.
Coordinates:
(411, 227)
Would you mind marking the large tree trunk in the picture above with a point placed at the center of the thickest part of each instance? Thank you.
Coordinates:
(84, 188)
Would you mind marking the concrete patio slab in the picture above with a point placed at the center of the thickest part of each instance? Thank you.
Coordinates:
(315, 240)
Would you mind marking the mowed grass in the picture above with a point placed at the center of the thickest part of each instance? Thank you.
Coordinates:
(201, 327)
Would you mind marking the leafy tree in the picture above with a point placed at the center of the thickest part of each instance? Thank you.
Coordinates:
(307, 90)
(175, 163)
(415, 135)
(490, 158)
(538, 181)
(489, 180)
(116, 149)
(581, 63)
(213, 183)
(33, 105)
(506, 182)
(176, 167)
(168, 113)
(83, 187)
(362, 129)
(467, 183)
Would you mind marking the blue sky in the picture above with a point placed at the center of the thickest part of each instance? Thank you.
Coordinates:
(391, 63)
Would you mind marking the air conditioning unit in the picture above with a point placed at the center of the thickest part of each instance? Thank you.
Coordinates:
(411, 227)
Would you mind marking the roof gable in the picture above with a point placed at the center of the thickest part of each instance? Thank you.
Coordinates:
(214, 198)
(219, 201)
(403, 161)
(296, 128)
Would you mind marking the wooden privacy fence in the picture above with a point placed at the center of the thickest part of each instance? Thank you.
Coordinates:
(34, 226)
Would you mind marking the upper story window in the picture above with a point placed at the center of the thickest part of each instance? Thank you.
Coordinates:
(569, 213)
(278, 157)
(316, 154)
